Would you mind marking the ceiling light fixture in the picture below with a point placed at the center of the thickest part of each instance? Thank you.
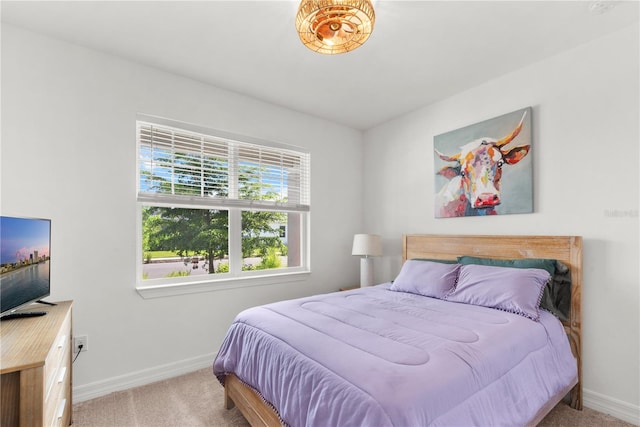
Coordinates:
(334, 26)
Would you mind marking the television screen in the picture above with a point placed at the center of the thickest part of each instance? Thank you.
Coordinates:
(25, 245)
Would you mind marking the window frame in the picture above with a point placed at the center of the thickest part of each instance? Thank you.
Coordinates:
(236, 278)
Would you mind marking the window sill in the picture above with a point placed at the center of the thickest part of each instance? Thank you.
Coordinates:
(159, 291)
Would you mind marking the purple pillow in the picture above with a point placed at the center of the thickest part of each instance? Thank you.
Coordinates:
(431, 279)
(516, 290)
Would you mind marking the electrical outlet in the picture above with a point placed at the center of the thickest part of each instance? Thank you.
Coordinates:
(80, 340)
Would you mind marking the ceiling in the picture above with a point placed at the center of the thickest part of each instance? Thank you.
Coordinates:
(420, 51)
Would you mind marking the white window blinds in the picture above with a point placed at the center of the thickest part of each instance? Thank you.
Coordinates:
(177, 166)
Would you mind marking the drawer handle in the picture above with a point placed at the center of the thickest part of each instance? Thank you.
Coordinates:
(61, 407)
(63, 340)
(63, 373)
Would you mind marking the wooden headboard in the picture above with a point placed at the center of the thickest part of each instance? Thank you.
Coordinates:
(567, 249)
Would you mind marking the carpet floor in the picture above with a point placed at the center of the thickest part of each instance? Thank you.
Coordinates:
(196, 399)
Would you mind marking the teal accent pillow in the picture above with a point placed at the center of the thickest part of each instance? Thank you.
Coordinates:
(544, 264)
(556, 297)
(441, 261)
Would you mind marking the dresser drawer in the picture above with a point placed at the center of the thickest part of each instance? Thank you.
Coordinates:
(58, 395)
(57, 372)
(58, 357)
(60, 414)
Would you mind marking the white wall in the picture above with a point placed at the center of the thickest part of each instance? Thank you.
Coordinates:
(69, 154)
(585, 152)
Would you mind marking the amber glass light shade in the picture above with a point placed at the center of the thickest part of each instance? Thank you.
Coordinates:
(334, 26)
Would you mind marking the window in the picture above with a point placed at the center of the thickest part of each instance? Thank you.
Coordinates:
(218, 208)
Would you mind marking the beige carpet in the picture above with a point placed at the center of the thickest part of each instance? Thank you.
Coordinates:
(196, 399)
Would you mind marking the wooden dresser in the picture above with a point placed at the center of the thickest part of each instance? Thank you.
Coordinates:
(35, 368)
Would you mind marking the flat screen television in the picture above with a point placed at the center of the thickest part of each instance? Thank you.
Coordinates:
(25, 258)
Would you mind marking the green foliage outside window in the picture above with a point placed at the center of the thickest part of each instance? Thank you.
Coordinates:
(205, 232)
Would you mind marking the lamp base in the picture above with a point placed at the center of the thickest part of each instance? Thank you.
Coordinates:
(366, 271)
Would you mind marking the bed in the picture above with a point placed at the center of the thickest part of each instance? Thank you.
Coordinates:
(410, 372)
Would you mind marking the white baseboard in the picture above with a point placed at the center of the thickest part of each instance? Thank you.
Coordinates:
(145, 376)
(614, 407)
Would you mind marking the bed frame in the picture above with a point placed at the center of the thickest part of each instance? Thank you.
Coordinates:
(567, 249)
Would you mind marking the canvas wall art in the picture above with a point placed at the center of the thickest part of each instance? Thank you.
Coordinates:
(485, 168)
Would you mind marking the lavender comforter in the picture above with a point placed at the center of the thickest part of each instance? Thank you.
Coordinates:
(375, 357)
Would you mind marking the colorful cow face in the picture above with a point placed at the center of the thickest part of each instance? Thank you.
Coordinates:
(475, 178)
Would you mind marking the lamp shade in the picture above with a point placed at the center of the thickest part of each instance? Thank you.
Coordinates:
(367, 245)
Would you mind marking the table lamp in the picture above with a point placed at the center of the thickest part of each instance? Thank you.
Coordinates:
(366, 246)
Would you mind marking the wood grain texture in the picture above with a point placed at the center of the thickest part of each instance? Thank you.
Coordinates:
(254, 409)
(10, 399)
(567, 249)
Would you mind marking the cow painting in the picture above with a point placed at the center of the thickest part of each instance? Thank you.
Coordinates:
(474, 174)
